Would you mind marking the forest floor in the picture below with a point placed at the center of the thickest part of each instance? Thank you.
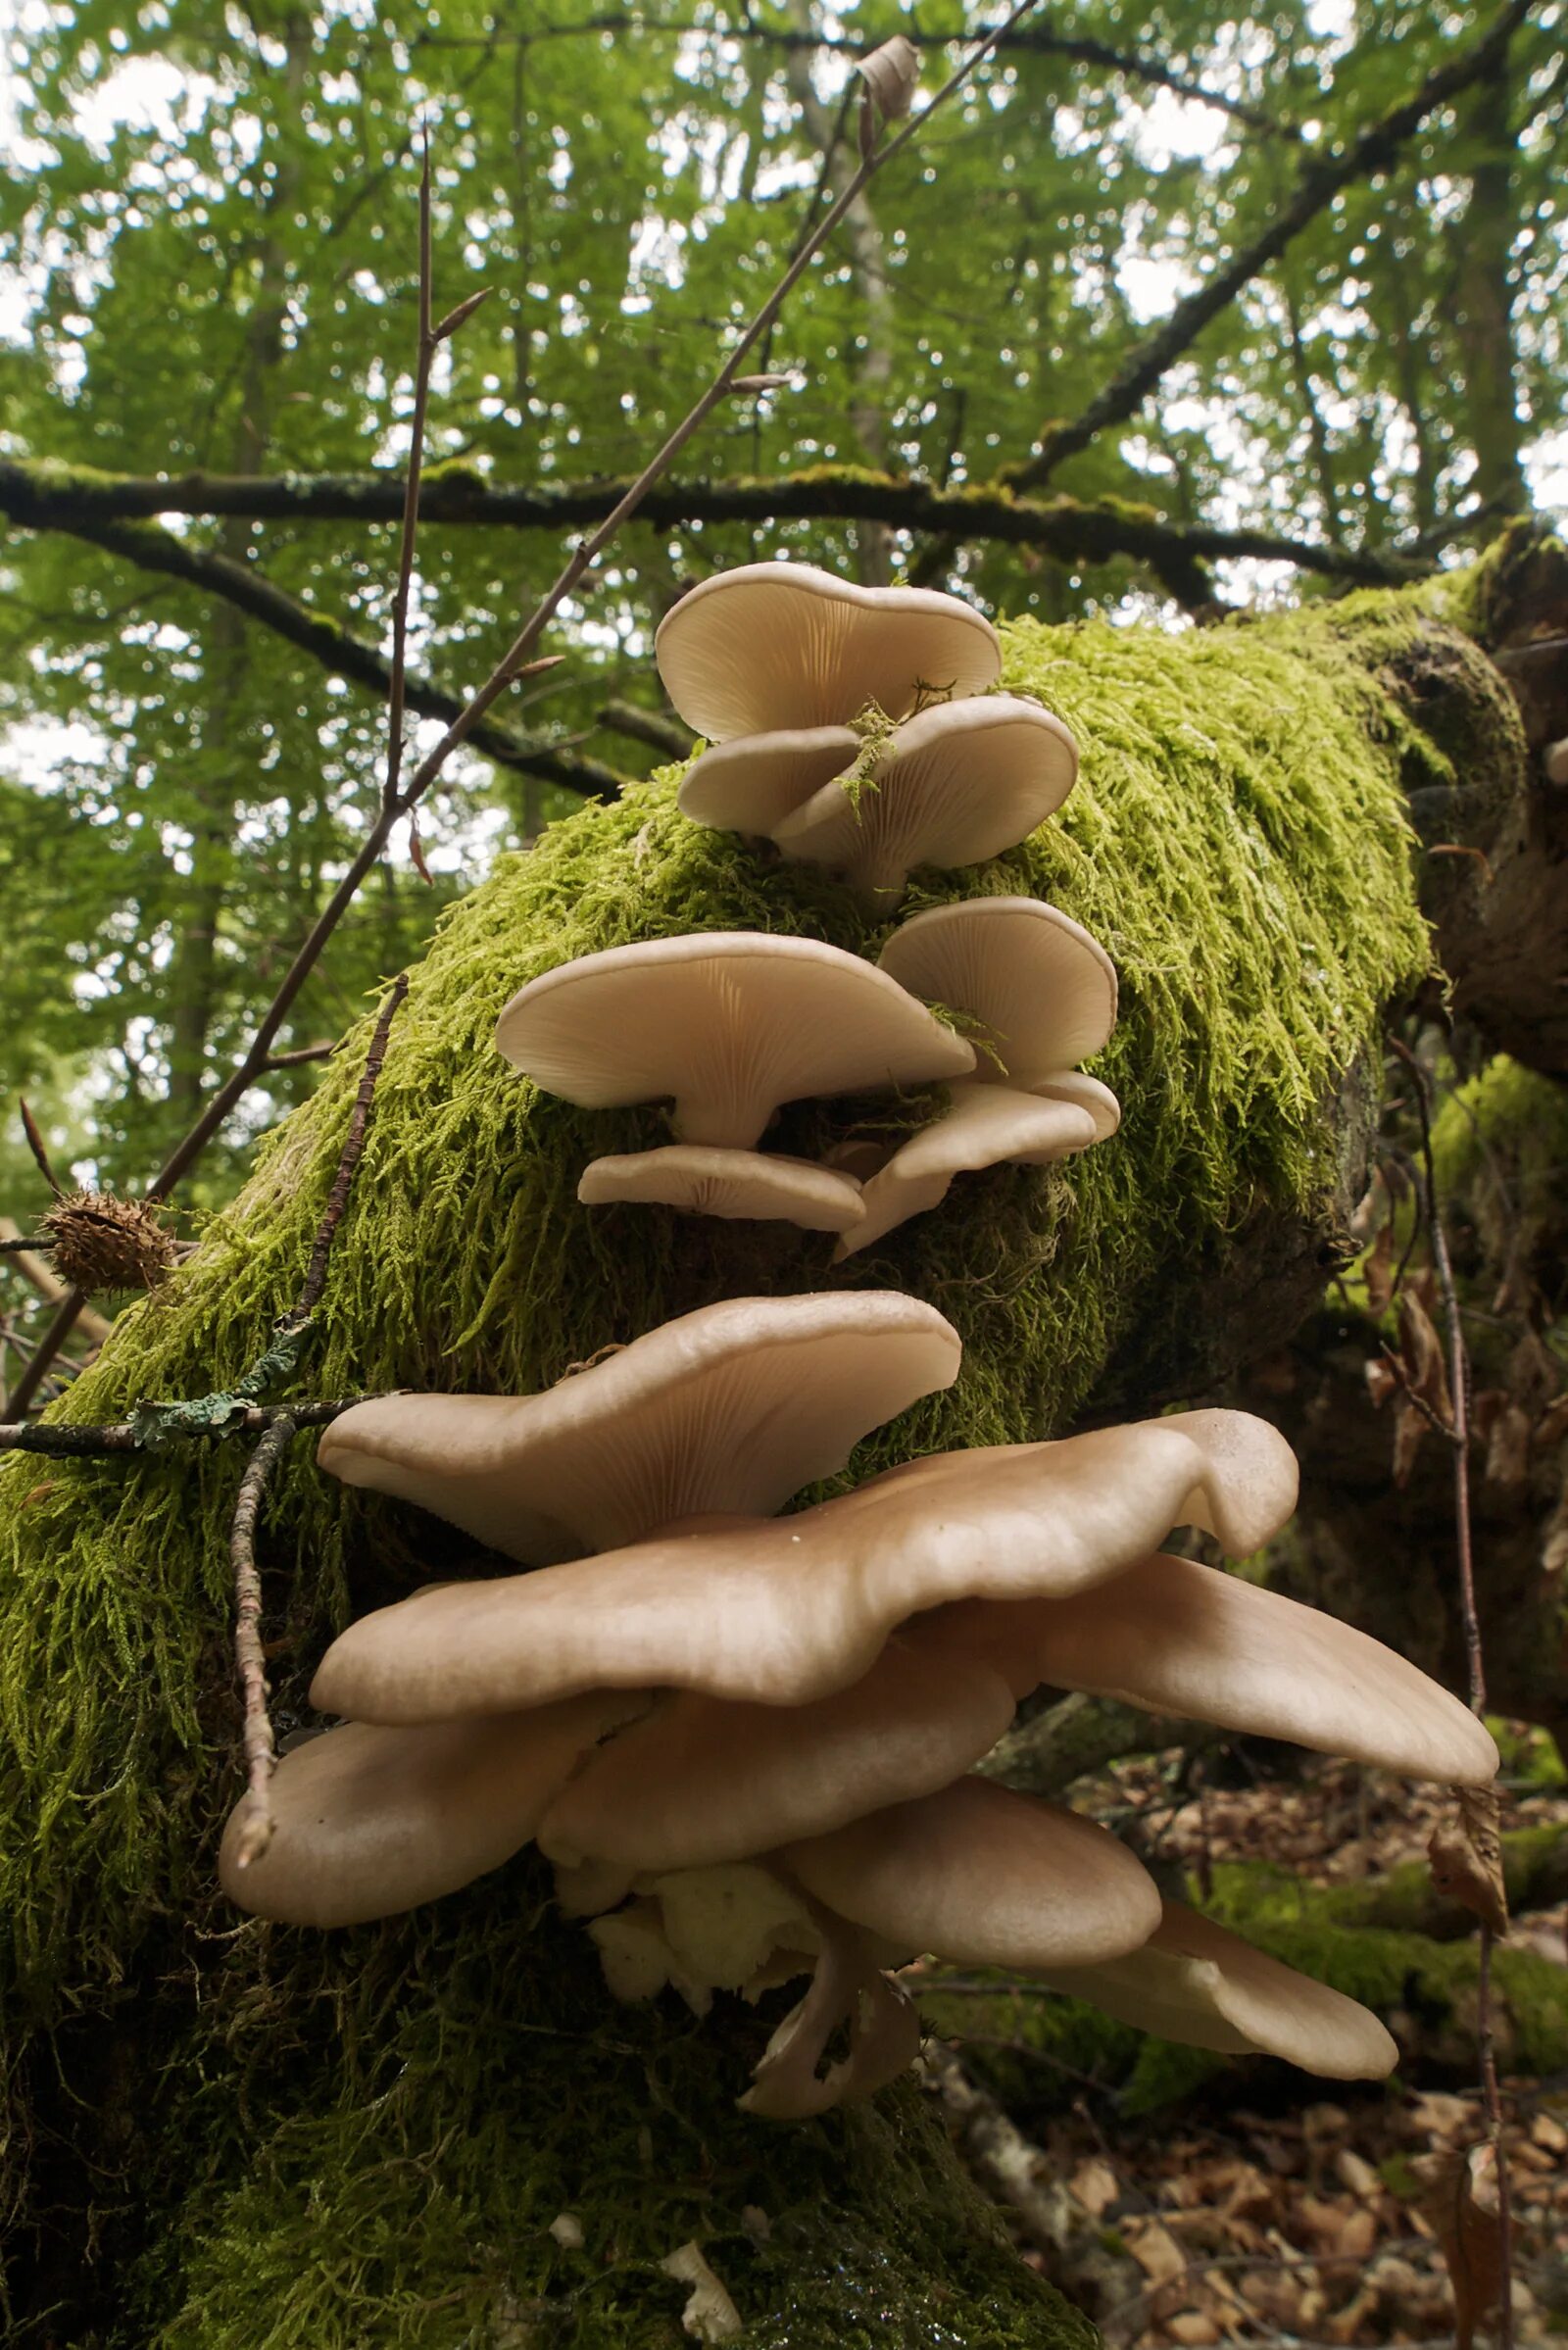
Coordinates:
(1310, 2223)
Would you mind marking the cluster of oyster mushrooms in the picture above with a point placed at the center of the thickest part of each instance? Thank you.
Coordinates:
(748, 1740)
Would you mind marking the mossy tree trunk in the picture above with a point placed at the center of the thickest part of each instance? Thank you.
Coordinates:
(229, 2133)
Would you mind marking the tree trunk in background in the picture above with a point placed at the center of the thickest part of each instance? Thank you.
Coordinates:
(1483, 244)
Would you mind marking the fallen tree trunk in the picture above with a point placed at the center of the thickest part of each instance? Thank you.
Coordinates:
(232, 2134)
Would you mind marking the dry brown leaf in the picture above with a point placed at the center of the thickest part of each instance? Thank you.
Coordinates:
(1466, 1858)
(1377, 1270)
(1354, 2173)
(1470, 2229)
(1096, 2186)
(1508, 1446)
(1157, 2251)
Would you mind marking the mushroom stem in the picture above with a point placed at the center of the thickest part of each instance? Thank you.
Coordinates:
(847, 1987)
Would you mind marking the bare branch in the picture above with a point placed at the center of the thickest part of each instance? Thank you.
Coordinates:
(250, 1660)
(353, 1149)
(648, 726)
(79, 1439)
(1372, 149)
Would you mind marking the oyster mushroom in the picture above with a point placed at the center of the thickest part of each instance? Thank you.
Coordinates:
(1196, 1983)
(731, 1408)
(960, 782)
(745, 1185)
(774, 645)
(727, 1023)
(784, 1611)
(982, 1126)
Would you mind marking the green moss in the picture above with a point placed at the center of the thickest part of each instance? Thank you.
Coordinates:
(1511, 1110)
(336, 2126)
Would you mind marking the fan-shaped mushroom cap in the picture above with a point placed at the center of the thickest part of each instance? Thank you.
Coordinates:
(783, 1612)
(745, 1185)
(775, 645)
(368, 1822)
(984, 1876)
(1045, 990)
(960, 782)
(984, 1125)
(707, 1779)
(1178, 1638)
(729, 1024)
(1196, 1983)
(1085, 1092)
(729, 1409)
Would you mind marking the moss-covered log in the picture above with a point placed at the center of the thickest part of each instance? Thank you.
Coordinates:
(226, 2133)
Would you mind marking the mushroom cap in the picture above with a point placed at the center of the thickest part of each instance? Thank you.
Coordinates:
(728, 1409)
(985, 1876)
(785, 1611)
(773, 645)
(705, 1780)
(729, 1023)
(1195, 1982)
(1045, 990)
(368, 1820)
(960, 782)
(1086, 1093)
(742, 1184)
(1178, 1638)
(983, 1125)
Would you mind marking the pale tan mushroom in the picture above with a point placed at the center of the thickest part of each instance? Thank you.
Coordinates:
(1044, 991)
(774, 645)
(983, 1126)
(1177, 1638)
(786, 1611)
(747, 1186)
(368, 1822)
(705, 1780)
(728, 1024)
(849, 1989)
(729, 1409)
(984, 1876)
(1196, 1983)
(960, 782)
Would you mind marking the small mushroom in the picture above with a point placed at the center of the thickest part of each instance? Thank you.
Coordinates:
(728, 1409)
(1195, 1982)
(742, 1184)
(368, 1822)
(960, 782)
(727, 1023)
(848, 1989)
(984, 1876)
(705, 1780)
(1044, 991)
(1178, 1638)
(774, 645)
(781, 1612)
(982, 1126)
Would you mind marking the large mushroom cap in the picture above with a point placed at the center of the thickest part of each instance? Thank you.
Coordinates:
(742, 1184)
(984, 1876)
(1195, 1982)
(956, 784)
(705, 1780)
(786, 1611)
(984, 1125)
(1178, 1638)
(775, 645)
(368, 1822)
(729, 1023)
(960, 782)
(1044, 989)
(729, 1409)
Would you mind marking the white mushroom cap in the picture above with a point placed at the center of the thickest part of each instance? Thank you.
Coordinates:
(729, 1409)
(1085, 1092)
(1044, 989)
(729, 1024)
(368, 1822)
(985, 1876)
(1178, 1638)
(984, 1125)
(775, 645)
(960, 782)
(742, 1184)
(1196, 1983)
(791, 1611)
(705, 1780)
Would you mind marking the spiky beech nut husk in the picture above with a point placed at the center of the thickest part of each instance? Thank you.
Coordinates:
(98, 1242)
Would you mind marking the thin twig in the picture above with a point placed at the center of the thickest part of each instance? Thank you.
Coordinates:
(353, 1146)
(79, 1440)
(261, 1754)
(1459, 1444)
(512, 664)
(298, 1059)
(40, 1150)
